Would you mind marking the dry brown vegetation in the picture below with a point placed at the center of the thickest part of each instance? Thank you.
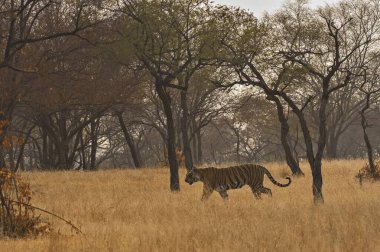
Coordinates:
(129, 210)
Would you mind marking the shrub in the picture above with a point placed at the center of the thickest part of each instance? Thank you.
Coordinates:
(17, 216)
(366, 174)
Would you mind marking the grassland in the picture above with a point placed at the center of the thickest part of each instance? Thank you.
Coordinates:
(133, 210)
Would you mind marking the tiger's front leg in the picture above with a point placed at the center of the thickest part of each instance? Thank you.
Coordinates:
(224, 194)
(206, 192)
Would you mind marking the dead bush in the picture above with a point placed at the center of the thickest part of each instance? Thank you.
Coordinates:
(17, 216)
(366, 174)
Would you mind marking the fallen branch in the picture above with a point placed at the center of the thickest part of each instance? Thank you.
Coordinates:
(53, 214)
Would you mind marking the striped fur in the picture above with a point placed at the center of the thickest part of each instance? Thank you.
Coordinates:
(234, 177)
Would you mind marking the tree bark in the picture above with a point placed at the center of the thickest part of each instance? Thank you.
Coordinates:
(63, 145)
(184, 131)
(44, 149)
(4, 122)
(364, 124)
(237, 135)
(129, 139)
(194, 144)
(290, 160)
(271, 95)
(332, 145)
(170, 141)
(51, 154)
(63, 150)
(94, 142)
(22, 148)
(316, 172)
(83, 151)
(317, 182)
(314, 162)
(199, 146)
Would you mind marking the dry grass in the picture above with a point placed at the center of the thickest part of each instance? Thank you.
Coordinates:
(133, 210)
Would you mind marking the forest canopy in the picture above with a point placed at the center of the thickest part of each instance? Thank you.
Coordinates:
(137, 83)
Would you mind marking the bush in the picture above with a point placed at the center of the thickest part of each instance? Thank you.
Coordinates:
(366, 174)
(17, 216)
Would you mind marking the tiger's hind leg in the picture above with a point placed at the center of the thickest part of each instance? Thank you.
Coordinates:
(224, 194)
(266, 191)
(256, 191)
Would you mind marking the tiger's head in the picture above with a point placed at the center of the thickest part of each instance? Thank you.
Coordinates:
(193, 176)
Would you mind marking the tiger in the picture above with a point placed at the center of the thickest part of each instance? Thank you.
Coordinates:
(233, 177)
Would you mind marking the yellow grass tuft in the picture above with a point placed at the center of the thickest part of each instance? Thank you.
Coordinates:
(133, 210)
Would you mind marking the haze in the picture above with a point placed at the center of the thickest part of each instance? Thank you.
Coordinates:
(260, 6)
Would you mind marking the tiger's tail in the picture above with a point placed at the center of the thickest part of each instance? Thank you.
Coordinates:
(274, 181)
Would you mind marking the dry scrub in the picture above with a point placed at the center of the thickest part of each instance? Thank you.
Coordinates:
(17, 217)
(367, 174)
(129, 210)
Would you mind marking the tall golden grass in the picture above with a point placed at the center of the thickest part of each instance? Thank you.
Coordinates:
(133, 210)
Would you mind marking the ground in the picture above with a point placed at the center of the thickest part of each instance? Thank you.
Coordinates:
(133, 210)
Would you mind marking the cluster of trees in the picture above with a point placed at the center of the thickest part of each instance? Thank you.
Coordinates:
(90, 84)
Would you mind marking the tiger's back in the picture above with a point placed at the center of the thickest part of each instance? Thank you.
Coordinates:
(235, 177)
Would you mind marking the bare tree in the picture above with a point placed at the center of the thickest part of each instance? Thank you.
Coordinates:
(371, 90)
(349, 32)
(25, 24)
(311, 49)
(165, 37)
(245, 67)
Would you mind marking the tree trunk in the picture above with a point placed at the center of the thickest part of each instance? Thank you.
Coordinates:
(194, 141)
(179, 143)
(63, 145)
(184, 130)
(83, 151)
(364, 124)
(332, 145)
(22, 148)
(317, 166)
(51, 157)
(238, 147)
(317, 182)
(213, 153)
(314, 162)
(129, 139)
(237, 135)
(63, 150)
(44, 164)
(199, 146)
(172, 158)
(2, 157)
(94, 143)
(290, 160)
(194, 144)
(4, 122)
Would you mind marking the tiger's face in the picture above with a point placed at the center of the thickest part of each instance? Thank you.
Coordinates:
(192, 176)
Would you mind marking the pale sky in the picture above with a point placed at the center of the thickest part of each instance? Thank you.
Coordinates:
(259, 6)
